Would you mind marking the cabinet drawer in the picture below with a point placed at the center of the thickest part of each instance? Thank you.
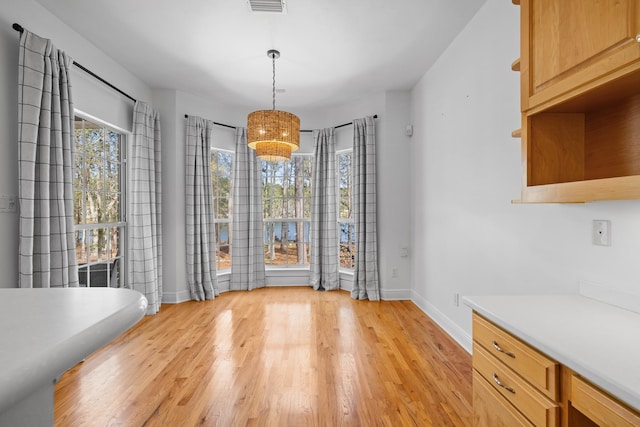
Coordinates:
(534, 405)
(529, 363)
(490, 409)
(600, 407)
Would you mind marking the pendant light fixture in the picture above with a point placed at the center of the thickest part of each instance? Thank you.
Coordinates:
(274, 134)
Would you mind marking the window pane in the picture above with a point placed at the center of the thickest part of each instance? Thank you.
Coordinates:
(286, 194)
(98, 200)
(347, 245)
(222, 207)
(92, 206)
(222, 233)
(83, 276)
(223, 257)
(81, 247)
(112, 207)
(112, 148)
(114, 242)
(221, 188)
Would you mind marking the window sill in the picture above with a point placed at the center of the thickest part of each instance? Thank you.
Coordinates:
(287, 271)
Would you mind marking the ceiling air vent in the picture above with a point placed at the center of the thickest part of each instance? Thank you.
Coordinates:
(277, 6)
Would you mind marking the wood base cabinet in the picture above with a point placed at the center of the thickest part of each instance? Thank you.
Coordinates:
(514, 384)
(490, 409)
(525, 380)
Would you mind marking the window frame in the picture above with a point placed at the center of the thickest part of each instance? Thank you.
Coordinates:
(306, 222)
(349, 222)
(121, 225)
(228, 221)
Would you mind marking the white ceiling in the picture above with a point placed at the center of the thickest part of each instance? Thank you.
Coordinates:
(332, 51)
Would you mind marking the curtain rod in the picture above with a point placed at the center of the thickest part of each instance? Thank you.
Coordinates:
(186, 116)
(20, 29)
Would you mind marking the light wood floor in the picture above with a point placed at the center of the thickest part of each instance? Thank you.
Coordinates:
(273, 357)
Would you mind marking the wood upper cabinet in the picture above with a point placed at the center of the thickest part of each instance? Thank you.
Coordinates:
(580, 99)
(568, 43)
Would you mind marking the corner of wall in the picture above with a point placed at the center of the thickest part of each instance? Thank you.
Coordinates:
(448, 325)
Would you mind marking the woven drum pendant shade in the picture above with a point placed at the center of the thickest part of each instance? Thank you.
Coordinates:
(274, 134)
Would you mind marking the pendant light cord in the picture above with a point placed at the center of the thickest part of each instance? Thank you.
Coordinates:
(273, 61)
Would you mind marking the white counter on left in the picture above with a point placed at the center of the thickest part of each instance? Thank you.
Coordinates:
(44, 332)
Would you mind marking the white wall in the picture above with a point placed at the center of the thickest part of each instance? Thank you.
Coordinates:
(466, 168)
(89, 96)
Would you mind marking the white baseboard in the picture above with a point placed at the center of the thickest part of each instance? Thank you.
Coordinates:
(449, 326)
(395, 294)
(176, 297)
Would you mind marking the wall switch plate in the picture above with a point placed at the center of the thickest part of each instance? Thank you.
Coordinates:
(394, 272)
(601, 232)
(456, 299)
(8, 204)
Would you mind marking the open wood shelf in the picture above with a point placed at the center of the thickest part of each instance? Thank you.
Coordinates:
(580, 104)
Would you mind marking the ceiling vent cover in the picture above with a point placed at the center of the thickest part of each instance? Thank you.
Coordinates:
(277, 6)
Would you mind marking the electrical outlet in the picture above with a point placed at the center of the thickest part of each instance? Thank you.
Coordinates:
(601, 232)
(394, 272)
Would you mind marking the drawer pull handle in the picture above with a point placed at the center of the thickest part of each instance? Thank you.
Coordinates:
(506, 387)
(508, 353)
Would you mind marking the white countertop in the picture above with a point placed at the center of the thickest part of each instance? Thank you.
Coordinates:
(44, 332)
(600, 342)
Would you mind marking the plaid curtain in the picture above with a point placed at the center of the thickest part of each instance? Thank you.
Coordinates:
(324, 216)
(145, 195)
(365, 277)
(47, 255)
(247, 253)
(201, 244)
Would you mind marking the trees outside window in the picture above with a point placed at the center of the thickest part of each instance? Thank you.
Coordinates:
(286, 199)
(221, 185)
(346, 226)
(100, 227)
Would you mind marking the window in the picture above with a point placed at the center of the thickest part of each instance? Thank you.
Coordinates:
(346, 226)
(99, 203)
(286, 199)
(221, 187)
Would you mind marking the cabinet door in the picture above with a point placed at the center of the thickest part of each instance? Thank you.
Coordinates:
(569, 43)
(600, 407)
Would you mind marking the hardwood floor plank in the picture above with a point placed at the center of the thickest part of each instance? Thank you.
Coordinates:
(273, 357)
